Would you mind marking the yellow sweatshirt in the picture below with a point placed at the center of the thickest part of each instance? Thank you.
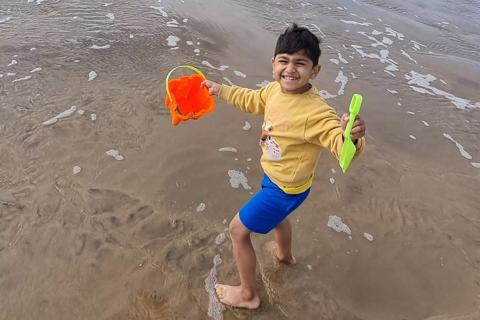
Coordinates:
(296, 128)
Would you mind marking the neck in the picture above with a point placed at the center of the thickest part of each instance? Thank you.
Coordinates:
(301, 90)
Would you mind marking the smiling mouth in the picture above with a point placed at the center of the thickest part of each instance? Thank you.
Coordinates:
(290, 78)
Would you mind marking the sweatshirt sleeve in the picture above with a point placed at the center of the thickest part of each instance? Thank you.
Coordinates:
(247, 100)
(323, 128)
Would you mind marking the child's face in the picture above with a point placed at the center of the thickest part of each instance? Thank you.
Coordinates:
(294, 71)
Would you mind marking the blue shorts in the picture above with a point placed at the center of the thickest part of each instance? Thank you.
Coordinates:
(269, 207)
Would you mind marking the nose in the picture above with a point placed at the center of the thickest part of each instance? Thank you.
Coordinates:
(290, 67)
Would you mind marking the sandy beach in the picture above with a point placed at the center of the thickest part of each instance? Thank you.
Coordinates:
(107, 211)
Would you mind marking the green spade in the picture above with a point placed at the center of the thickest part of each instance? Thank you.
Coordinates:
(348, 149)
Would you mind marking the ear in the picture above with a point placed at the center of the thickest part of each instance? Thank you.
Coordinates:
(315, 71)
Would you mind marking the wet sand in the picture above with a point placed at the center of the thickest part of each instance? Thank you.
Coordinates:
(139, 232)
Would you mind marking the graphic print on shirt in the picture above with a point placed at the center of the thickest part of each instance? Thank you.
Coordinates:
(274, 151)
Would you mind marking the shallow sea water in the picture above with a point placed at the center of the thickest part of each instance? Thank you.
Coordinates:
(107, 211)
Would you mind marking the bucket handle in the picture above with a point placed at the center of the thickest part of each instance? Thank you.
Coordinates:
(170, 73)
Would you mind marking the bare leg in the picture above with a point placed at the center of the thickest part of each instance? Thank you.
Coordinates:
(244, 295)
(282, 247)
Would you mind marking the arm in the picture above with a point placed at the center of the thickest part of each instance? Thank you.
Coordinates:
(247, 100)
(325, 128)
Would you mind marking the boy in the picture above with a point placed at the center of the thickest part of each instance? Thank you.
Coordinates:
(298, 124)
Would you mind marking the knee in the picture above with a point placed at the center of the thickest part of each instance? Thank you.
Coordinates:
(237, 229)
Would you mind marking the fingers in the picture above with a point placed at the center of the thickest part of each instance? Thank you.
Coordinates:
(358, 128)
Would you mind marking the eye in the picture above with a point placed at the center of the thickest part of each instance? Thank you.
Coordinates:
(282, 61)
(300, 63)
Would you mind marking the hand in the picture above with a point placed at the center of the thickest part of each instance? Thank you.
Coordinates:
(358, 128)
(213, 87)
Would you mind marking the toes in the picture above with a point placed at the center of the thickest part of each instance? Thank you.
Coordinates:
(219, 289)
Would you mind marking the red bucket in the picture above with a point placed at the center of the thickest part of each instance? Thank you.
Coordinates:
(185, 98)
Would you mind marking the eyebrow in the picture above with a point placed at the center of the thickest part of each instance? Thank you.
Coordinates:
(294, 59)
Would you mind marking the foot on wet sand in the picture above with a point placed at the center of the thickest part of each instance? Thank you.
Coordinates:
(232, 296)
(272, 247)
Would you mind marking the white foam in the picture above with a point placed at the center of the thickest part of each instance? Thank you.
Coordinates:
(368, 236)
(76, 170)
(413, 137)
(336, 224)
(22, 79)
(421, 83)
(111, 16)
(476, 165)
(172, 41)
(335, 61)
(325, 94)
(238, 178)
(319, 30)
(392, 91)
(387, 41)
(341, 58)
(247, 126)
(464, 153)
(356, 23)
(220, 238)
(215, 308)
(239, 74)
(131, 36)
(227, 149)
(81, 112)
(201, 207)
(343, 80)
(375, 43)
(262, 84)
(160, 9)
(208, 64)
(107, 4)
(11, 74)
(394, 33)
(417, 45)
(190, 43)
(408, 56)
(115, 154)
(353, 75)
(93, 117)
(5, 20)
(426, 123)
(36, 70)
(107, 46)
(410, 112)
(92, 75)
(376, 32)
(228, 81)
(14, 62)
(172, 23)
(383, 57)
(61, 115)
(332, 180)
(391, 67)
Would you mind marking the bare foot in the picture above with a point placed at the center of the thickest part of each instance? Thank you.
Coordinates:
(272, 247)
(232, 296)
